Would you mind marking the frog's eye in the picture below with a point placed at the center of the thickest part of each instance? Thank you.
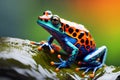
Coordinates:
(55, 20)
(47, 12)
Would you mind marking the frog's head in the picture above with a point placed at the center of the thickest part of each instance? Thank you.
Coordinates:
(50, 22)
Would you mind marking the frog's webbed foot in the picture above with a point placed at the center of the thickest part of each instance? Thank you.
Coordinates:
(87, 69)
(61, 64)
(42, 44)
(93, 68)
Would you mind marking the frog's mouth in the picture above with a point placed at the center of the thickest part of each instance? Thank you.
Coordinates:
(45, 24)
(44, 18)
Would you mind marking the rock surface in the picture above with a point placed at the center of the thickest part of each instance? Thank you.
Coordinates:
(19, 60)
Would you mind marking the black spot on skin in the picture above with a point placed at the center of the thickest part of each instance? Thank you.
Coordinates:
(64, 28)
(61, 24)
(74, 34)
(87, 42)
(90, 42)
(61, 29)
(46, 20)
(67, 26)
(77, 30)
(82, 40)
(86, 33)
(70, 30)
(81, 35)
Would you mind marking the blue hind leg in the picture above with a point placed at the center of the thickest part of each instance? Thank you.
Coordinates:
(94, 60)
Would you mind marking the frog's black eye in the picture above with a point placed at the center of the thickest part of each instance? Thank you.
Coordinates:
(47, 12)
(55, 20)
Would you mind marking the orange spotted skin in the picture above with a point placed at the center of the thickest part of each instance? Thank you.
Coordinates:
(78, 32)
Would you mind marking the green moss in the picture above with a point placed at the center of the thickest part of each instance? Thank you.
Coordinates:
(3, 46)
(117, 69)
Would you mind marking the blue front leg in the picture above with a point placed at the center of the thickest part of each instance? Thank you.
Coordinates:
(48, 43)
(94, 60)
(67, 63)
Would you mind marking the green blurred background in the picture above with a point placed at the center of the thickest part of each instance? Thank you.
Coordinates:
(101, 17)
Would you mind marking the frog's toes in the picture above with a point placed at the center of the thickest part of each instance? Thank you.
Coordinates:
(57, 69)
(52, 51)
(52, 63)
(92, 75)
(43, 43)
(61, 64)
(35, 43)
(87, 69)
(32, 42)
(57, 63)
(59, 56)
(38, 44)
(77, 69)
(46, 44)
(39, 48)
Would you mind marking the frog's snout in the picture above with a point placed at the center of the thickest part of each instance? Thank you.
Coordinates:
(43, 19)
(39, 17)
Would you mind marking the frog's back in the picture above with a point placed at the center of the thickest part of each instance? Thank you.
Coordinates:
(78, 36)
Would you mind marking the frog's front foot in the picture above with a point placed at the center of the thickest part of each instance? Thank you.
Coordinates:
(61, 64)
(42, 44)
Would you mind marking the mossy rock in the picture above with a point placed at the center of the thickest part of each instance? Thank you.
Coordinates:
(19, 60)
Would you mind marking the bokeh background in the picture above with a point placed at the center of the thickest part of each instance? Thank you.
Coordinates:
(101, 17)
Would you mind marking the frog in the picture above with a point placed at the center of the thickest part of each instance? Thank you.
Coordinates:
(75, 40)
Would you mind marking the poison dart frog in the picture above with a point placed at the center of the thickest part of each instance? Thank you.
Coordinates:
(75, 40)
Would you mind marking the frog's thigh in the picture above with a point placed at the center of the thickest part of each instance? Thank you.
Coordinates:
(98, 53)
